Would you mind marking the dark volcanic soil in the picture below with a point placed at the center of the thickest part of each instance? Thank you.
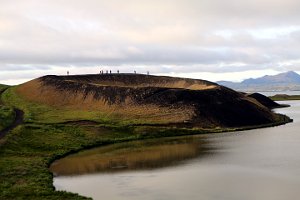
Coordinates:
(212, 105)
(264, 100)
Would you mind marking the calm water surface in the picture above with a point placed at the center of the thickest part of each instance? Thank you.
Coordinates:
(257, 164)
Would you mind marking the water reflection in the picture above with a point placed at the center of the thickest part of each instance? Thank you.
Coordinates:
(260, 164)
(132, 156)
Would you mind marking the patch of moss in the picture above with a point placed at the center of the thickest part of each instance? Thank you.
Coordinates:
(285, 97)
(3, 87)
(7, 116)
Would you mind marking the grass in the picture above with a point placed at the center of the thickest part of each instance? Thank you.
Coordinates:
(7, 116)
(285, 97)
(3, 87)
(28, 150)
(25, 155)
(38, 113)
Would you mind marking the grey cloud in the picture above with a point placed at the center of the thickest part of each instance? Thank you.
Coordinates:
(186, 35)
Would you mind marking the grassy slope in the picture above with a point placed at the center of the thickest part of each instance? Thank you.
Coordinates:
(2, 87)
(27, 151)
(285, 98)
(37, 113)
(7, 114)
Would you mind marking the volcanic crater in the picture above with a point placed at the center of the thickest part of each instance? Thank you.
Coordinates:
(152, 99)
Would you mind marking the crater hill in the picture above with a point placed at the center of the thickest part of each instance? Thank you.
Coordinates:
(152, 100)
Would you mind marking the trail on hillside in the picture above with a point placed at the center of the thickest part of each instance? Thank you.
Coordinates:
(18, 119)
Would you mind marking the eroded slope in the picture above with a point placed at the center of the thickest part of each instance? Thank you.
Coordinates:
(150, 99)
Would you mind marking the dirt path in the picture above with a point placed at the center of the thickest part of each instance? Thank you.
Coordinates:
(17, 122)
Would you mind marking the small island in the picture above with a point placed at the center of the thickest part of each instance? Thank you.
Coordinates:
(136, 99)
(284, 97)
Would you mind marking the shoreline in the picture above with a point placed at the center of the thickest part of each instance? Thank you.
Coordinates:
(284, 97)
(40, 172)
(177, 132)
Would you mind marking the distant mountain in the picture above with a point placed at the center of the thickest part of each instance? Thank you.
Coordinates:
(284, 81)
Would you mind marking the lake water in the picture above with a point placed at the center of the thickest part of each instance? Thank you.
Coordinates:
(262, 164)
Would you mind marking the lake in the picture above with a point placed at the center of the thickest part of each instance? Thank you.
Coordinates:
(256, 164)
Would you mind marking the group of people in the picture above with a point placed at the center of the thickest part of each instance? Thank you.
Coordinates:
(102, 71)
(109, 72)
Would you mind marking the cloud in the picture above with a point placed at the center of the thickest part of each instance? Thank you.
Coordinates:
(164, 36)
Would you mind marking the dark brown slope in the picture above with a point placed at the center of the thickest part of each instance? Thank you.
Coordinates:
(266, 101)
(171, 100)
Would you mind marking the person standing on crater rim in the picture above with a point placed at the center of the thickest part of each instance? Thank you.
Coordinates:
(68, 73)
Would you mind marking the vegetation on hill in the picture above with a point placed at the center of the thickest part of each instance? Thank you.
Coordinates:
(3, 87)
(7, 114)
(284, 97)
(138, 100)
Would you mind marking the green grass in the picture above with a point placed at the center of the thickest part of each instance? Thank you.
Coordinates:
(37, 113)
(7, 116)
(25, 156)
(285, 98)
(3, 87)
(28, 150)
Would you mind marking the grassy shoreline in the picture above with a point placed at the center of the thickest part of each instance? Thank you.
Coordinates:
(285, 97)
(27, 151)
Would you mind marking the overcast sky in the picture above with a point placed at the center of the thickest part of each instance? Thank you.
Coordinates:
(206, 39)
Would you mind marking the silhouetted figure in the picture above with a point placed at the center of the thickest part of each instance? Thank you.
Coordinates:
(134, 71)
(118, 71)
(110, 71)
(68, 73)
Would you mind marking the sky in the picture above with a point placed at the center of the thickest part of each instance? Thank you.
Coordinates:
(204, 39)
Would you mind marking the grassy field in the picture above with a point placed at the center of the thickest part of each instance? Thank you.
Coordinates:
(7, 114)
(27, 151)
(285, 97)
(3, 87)
(38, 113)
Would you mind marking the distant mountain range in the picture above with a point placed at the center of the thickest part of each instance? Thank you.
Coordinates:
(281, 82)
